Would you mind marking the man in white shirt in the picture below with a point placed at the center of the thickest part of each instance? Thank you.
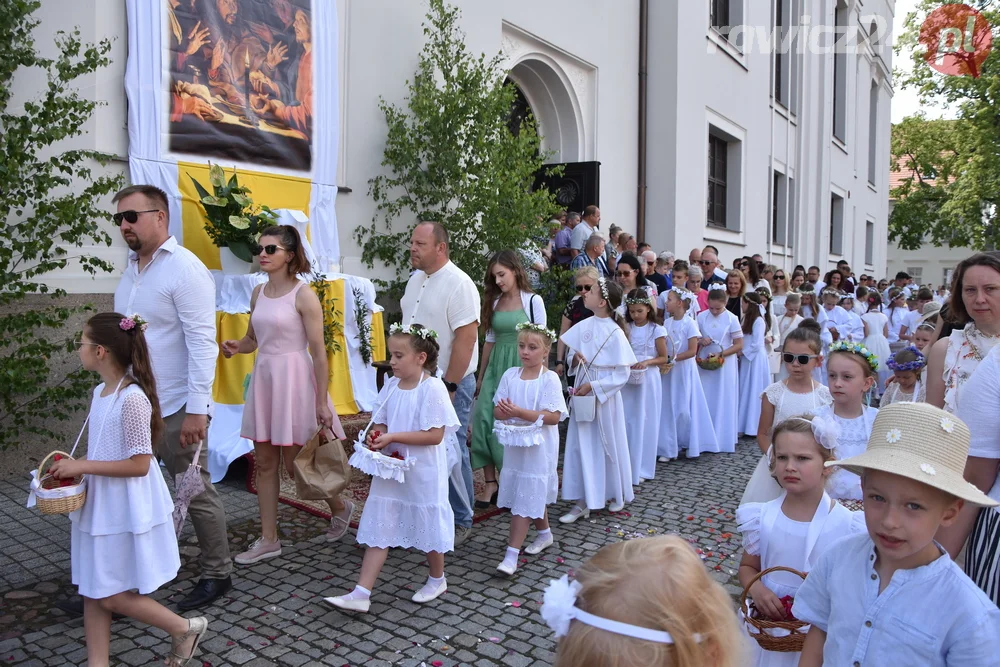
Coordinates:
(440, 296)
(591, 221)
(171, 289)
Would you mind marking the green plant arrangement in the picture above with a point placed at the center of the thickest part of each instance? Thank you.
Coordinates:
(232, 219)
(51, 204)
(332, 318)
(557, 290)
(361, 315)
(452, 156)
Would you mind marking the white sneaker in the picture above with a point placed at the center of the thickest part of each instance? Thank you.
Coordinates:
(349, 604)
(664, 459)
(507, 568)
(539, 545)
(574, 514)
(616, 506)
(426, 594)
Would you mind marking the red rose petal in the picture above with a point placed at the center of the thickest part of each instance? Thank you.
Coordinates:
(437, 663)
(690, 518)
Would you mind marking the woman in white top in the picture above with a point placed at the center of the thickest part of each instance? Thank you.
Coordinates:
(779, 293)
(975, 309)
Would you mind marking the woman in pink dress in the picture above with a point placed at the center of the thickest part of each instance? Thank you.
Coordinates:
(288, 398)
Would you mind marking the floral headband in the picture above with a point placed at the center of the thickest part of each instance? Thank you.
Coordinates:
(603, 284)
(559, 609)
(807, 288)
(682, 294)
(856, 348)
(413, 331)
(760, 307)
(825, 430)
(915, 365)
(537, 328)
(133, 323)
(716, 286)
(830, 291)
(640, 301)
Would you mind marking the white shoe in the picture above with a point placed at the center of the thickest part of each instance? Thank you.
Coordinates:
(424, 595)
(539, 545)
(342, 602)
(616, 506)
(574, 514)
(663, 459)
(509, 570)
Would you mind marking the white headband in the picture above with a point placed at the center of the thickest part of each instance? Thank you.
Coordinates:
(603, 284)
(716, 286)
(559, 608)
(825, 430)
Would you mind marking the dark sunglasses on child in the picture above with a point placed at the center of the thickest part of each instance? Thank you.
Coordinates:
(131, 217)
(803, 359)
(270, 249)
(582, 288)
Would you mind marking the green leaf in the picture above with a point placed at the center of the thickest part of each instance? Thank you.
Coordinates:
(239, 222)
(242, 250)
(214, 201)
(216, 176)
(202, 192)
(241, 200)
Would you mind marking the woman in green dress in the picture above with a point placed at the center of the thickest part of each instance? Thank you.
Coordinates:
(507, 302)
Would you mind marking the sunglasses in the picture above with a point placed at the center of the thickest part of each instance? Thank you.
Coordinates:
(704, 262)
(80, 343)
(743, 265)
(803, 359)
(270, 249)
(778, 276)
(583, 288)
(131, 217)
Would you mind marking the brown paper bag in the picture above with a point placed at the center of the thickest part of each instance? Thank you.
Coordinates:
(321, 468)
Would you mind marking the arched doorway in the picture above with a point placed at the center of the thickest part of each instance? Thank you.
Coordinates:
(544, 91)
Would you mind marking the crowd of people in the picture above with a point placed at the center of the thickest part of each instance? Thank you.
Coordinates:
(655, 358)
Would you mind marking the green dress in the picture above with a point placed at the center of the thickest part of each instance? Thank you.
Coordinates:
(486, 450)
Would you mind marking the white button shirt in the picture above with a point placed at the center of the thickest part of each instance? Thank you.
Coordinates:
(930, 616)
(581, 234)
(175, 293)
(443, 301)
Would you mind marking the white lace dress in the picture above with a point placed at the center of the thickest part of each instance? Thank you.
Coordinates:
(643, 404)
(528, 480)
(762, 487)
(123, 536)
(966, 348)
(853, 440)
(414, 513)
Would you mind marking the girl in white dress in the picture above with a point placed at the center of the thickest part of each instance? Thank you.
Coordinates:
(123, 537)
(772, 340)
(786, 323)
(643, 393)
(528, 406)
(795, 529)
(876, 337)
(810, 309)
(720, 327)
(685, 422)
(907, 365)
(852, 369)
(413, 418)
(898, 315)
(798, 394)
(755, 371)
(596, 465)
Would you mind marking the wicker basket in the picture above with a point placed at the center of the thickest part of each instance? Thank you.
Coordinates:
(759, 626)
(51, 498)
(710, 357)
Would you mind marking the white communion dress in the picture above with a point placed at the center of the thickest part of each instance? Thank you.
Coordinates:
(596, 466)
(643, 403)
(755, 376)
(123, 537)
(686, 422)
(852, 441)
(722, 385)
(529, 481)
(414, 513)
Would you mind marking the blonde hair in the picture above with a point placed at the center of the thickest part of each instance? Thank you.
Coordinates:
(658, 583)
(586, 272)
(798, 424)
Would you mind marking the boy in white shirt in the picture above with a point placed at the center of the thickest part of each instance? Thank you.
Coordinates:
(894, 596)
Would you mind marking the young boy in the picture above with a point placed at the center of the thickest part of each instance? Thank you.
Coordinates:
(894, 596)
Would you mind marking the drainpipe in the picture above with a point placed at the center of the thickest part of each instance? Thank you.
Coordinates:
(640, 227)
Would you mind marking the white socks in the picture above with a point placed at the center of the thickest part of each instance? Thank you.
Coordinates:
(542, 542)
(431, 586)
(510, 560)
(359, 593)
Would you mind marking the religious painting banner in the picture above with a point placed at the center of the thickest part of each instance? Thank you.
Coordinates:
(246, 84)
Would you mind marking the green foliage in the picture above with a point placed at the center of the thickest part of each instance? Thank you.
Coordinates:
(362, 318)
(50, 206)
(958, 205)
(557, 290)
(332, 318)
(451, 157)
(232, 219)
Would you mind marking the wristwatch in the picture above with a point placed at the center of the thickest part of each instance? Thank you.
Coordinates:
(560, 362)
(451, 386)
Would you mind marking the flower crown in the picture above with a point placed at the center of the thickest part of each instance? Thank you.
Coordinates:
(856, 348)
(639, 301)
(716, 286)
(915, 365)
(831, 291)
(807, 288)
(682, 293)
(537, 328)
(133, 323)
(410, 330)
(603, 284)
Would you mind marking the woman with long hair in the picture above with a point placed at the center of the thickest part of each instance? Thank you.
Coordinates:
(630, 275)
(584, 280)
(779, 292)
(736, 287)
(798, 279)
(507, 302)
(751, 272)
(835, 279)
(288, 398)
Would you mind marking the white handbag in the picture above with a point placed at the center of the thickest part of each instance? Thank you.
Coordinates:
(585, 407)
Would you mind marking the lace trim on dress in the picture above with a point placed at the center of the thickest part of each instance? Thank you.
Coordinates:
(520, 433)
(748, 523)
(136, 415)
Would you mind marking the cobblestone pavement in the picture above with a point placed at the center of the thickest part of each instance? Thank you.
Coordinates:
(275, 615)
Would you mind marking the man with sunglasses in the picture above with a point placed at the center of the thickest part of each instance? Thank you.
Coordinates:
(709, 264)
(168, 285)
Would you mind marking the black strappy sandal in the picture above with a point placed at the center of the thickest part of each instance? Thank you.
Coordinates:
(482, 504)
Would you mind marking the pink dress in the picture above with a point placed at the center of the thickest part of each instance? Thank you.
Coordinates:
(281, 402)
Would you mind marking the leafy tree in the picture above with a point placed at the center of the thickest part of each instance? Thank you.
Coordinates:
(953, 196)
(452, 157)
(49, 203)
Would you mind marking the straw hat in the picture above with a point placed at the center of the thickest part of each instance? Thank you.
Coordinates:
(920, 442)
(930, 309)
